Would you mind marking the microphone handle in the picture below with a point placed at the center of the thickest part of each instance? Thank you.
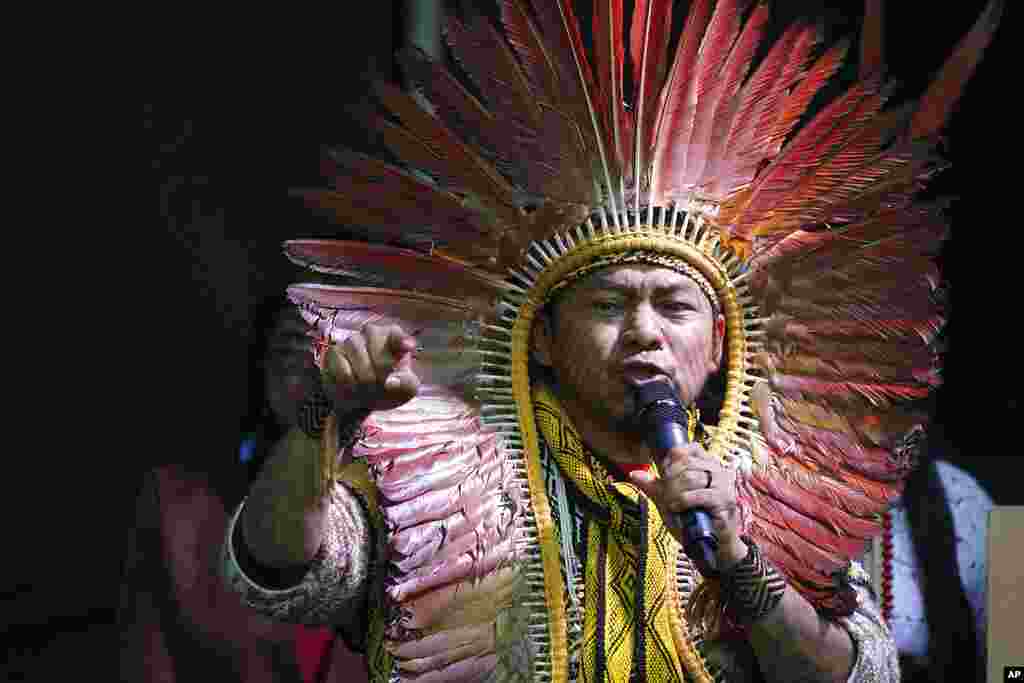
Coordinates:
(700, 541)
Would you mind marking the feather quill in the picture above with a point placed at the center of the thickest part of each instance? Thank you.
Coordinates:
(649, 39)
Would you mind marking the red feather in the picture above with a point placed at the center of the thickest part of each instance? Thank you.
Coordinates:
(836, 370)
(813, 143)
(674, 118)
(420, 542)
(649, 39)
(785, 63)
(888, 429)
(811, 562)
(490, 552)
(438, 468)
(382, 195)
(809, 202)
(609, 61)
(455, 540)
(847, 494)
(786, 254)
(843, 455)
(525, 39)
(807, 528)
(704, 75)
(442, 503)
(838, 520)
(717, 127)
(720, 77)
(894, 330)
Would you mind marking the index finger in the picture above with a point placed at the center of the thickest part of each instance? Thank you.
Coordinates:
(680, 458)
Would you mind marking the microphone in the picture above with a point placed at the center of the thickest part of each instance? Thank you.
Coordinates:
(661, 420)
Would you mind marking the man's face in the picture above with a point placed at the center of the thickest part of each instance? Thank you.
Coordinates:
(622, 326)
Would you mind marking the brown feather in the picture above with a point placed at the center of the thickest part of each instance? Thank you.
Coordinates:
(938, 101)
(455, 159)
(872, 39)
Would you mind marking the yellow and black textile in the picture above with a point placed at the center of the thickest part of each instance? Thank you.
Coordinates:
(630, 561)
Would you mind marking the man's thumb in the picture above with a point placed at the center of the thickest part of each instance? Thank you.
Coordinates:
(402, 384)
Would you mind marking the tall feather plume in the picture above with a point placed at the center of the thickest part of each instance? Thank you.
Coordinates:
(938, 101)
(826, 134)
(801, 245)
(783, 65)
(609, 61)
(707, 62)
(781, 125)
(711, 130)
(585, 81)
(484, 55)
(488, 60)
(649, 38)
(560, 125)
(804, 151)
(401, 207)
(464, 114)
(384, 266)
(872, 39)
(810, 201)
(573, 90)
(673, 115)
(843, 276)
(455, 159)
(721, 42)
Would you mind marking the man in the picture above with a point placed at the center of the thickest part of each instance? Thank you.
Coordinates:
(628, 325)
(496, 514)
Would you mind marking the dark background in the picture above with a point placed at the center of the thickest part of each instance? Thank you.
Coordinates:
(236, 111)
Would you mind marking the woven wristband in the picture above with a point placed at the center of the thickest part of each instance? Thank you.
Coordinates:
(752, 588)
(314, 410)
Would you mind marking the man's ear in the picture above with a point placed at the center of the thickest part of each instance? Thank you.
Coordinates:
(542, 339)
(717, 341)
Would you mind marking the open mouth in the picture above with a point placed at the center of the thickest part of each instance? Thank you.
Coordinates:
(639, 373)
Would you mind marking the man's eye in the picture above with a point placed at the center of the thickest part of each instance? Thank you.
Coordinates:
(677, 306)
(605, 306)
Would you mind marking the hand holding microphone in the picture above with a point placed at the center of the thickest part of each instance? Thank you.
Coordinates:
(695, 493)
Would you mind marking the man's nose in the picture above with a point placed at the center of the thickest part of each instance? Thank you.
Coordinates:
(643, 328)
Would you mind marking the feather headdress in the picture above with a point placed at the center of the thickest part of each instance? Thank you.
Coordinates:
(535, 162)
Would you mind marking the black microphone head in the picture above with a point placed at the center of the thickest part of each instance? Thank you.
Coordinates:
(656, 404)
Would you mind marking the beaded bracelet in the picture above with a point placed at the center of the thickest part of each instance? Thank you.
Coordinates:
(752, 588)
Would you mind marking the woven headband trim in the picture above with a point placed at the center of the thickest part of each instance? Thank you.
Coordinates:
(653, 258)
